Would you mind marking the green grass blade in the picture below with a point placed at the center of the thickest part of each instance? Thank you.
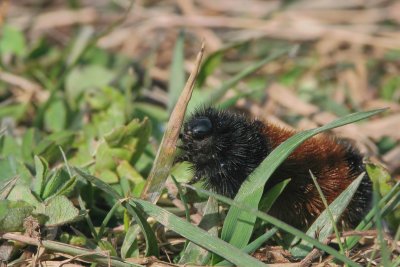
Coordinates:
(7, 187)
(196, 235)
(269, 198)
(214, 60)
(185, 203)
(107, 219)
(277, 223)
(87, 218)
(99, 183)
(193, 253)
(254, 245)
(151, 240)
(386, 202)
(220, 92)
(177, 73)
(183, 198)
(129, 247)
(343, 205)
(239, 225)
(378, 222)
(396, 263)
(324, 224)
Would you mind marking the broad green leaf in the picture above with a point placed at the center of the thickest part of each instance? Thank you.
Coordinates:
(103, 99)
(107, 158)
(177, 73)
(123, 144)
(384, 182)
(55, 183)
(151, 111)
(381, 177)
(55, 119)
(12, 215)
(323, 227)
(10, 167)
(124, 169)
(6, 170)
(12, 41)
(67, 187)
(41, 168)
(28, 144)
(182, 172)
(23, 192)
(83, 78)
(143, 139)
(121, 136)
(6, 188)
(238, 225)
(16, 111)
(390, 87)
(11, 147)
(48, 147)
(59, 210)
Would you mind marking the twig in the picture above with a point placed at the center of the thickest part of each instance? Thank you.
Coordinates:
(30, 88)
(353, 233)
(316, 252)
(68, 249)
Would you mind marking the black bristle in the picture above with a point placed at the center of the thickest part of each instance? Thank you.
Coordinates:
(231, 152)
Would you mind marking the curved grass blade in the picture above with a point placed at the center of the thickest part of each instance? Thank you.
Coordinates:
(323, 225)
(220, 92)
(7, 187)
(193, 253)
(386, 204)
(239, 225)
(177, 74)
(268, 200)
(151, 240)
(213, 60)
(196, 235)
(277, 223)
(253, 246)
(385, 253)
(129, 248)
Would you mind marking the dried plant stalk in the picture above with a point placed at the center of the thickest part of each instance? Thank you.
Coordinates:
(166, 152)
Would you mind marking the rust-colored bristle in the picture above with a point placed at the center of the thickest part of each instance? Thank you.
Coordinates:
(335, 164)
